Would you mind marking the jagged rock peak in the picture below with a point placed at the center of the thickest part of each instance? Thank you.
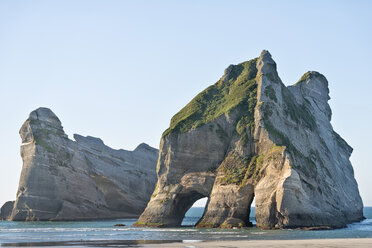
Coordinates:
(312, 74)
(266, 57)
(266, 72)
(233, 71)
(40, 124)
(314, 84)
(266, 64)
(45, 115)
(313, 87)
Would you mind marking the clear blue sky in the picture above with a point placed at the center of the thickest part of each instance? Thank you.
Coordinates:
(119, 70)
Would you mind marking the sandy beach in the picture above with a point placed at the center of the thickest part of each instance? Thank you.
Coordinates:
(313, 243)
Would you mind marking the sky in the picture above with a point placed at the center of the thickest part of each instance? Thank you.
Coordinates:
(119, 70)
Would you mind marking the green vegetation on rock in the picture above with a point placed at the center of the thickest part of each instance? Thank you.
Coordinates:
(206, 225)
(234, 168)
(237, 169)
(238, 89)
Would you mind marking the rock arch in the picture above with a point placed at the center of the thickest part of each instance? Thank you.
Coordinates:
(249, 136)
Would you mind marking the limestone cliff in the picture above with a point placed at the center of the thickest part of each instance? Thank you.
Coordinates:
(63, 179)
(249, 136)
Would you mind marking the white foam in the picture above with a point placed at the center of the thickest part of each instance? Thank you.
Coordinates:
(191, 241)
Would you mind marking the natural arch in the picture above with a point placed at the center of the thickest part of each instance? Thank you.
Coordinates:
(183, 203)
(196, 211)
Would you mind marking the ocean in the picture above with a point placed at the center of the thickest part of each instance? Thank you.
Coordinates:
(90, 232)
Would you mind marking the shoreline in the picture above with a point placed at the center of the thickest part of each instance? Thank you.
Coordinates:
(301, 243)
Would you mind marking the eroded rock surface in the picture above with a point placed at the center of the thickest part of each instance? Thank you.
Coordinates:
(6, 210)
(63, 179)
(249, 136)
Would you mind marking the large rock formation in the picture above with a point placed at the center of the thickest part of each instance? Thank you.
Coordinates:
(249, 136)
(6, 210)
(63, 179)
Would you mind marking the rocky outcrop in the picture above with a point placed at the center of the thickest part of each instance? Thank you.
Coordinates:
(6, 210)
(83, 179)
(249, 136)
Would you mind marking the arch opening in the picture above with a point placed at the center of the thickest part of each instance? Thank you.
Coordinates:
(252, 213)
(195, 212)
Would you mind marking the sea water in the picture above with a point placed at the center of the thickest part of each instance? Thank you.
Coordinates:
(58, 233)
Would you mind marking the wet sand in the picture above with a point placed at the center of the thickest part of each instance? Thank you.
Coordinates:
(93, 243)
(304, 243)
(308, 243)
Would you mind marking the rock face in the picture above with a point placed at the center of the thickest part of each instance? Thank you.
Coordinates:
(6, 210)
(84, 179)
(249, 136)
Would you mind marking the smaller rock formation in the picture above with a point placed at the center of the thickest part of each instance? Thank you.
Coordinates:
(6, 210)
(84, 179)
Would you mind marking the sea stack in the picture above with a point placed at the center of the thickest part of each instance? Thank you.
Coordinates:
(248, 137)
(63, 179)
